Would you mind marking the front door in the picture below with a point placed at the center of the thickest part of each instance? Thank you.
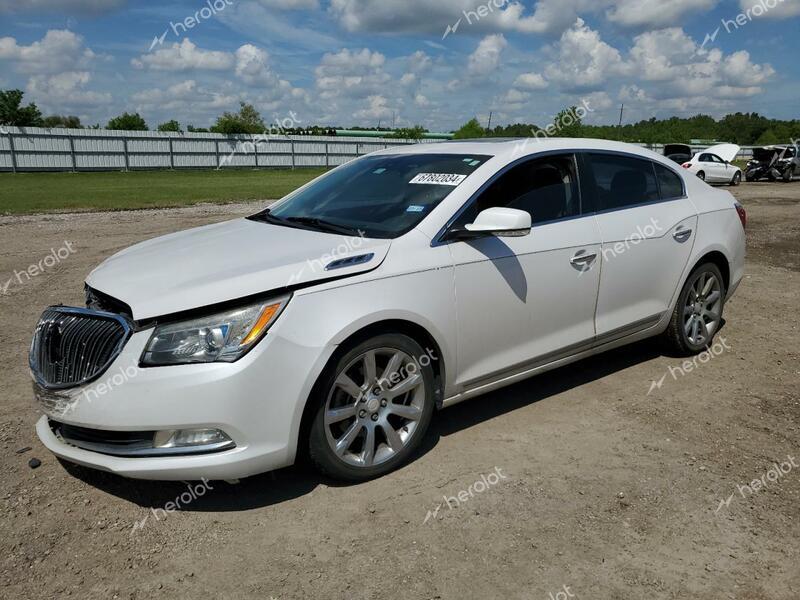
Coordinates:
(521, 300)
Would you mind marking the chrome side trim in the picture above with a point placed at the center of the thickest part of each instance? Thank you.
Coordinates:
(562, 353)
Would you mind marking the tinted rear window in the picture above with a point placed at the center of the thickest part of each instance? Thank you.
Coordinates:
(623, 181)
(669, 182)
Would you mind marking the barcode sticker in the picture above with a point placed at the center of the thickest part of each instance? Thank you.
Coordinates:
(452, 179)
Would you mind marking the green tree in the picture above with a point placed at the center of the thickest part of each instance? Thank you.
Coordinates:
(13, 113)
(172, 125)
(768, 138)
(247, 120)
(64, 121)
(410, 133)
(470, 129)
(127, 122)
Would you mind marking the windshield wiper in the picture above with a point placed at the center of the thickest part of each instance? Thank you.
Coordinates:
(323, 225)
(267, 218)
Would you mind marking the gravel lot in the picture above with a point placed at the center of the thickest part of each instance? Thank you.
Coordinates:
(607, 491)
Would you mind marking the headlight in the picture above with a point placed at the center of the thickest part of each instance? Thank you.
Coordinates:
(223, 337)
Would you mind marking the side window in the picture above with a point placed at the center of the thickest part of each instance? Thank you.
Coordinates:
(706, 158)
(669, 182)
(623, 181)
(547, 188)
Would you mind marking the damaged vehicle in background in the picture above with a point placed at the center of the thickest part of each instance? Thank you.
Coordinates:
(773, 162)
(679, 153)
(713, 165)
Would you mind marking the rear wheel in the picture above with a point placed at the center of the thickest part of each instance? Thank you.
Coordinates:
(789, 175)
(374, 405)
(701, 175)
(698, 313)
(737, 178)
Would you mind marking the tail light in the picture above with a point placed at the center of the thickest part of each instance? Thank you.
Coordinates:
(742, 214)
(686, 165)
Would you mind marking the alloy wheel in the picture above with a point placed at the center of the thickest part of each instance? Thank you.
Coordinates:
(374, 407)
(702, 311)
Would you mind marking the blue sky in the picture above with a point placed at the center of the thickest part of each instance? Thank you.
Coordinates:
(364, 62)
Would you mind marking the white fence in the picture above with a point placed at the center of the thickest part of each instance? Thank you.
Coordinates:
(38, 149)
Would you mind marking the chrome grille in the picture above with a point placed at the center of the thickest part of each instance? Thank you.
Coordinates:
(72, 346)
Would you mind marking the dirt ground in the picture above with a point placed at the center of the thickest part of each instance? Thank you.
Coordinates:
(606, 490)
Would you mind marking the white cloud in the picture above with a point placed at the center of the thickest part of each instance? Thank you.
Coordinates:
(354, 73)
(377, 108)
(419, 62)
(183, 96)
(183, 56)
(583, 61)
(72, 6)
(289, 4)
(655, 13)
(65, 90)
(58, 50)
(424, 16)
(783, 9)
(486, 57)
(530, 81)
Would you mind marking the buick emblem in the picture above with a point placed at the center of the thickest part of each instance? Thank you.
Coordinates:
(52, 341)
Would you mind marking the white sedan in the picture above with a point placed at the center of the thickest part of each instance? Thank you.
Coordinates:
(335, 323)
(713, 164)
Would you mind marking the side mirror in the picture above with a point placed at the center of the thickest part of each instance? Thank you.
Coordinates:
(501, 222)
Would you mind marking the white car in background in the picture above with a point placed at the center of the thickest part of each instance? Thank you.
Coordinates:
(336, 322)
(713, 165)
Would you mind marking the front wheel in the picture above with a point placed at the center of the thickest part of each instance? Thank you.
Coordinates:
(789, 174)
(698, 313)
(737, 178)
(374, 405)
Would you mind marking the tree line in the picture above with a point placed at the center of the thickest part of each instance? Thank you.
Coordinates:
(740, 128)
(745, 129)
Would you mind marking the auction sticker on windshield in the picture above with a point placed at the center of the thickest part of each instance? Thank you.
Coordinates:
(439, 178)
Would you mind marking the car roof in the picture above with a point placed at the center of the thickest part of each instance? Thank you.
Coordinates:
(518, 147)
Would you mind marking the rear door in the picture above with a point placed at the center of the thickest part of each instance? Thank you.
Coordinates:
(647, 226)
(712, 167)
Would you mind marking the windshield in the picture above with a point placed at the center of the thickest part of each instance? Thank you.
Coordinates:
(376, 196)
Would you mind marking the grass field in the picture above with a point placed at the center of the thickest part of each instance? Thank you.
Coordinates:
(22, 193)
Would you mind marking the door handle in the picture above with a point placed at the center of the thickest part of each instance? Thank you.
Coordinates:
(580, 260)
(681, 234)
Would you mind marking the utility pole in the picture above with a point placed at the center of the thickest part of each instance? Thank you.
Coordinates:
(621, 109)
(489, 126)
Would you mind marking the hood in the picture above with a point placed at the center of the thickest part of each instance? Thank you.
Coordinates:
(225, 261)
(766, 154)
(726, 152)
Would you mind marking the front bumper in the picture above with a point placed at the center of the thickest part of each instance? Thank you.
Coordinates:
(258, 401)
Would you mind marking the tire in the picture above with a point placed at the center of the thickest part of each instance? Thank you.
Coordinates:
(701, 175)
(789, 175)
(737, 178)
(688, 339)
(373, 406)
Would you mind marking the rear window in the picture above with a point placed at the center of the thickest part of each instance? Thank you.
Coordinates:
(669, 182)
(623, 181)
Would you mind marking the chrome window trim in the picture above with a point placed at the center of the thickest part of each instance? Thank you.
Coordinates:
(581, 155)
(438, 238)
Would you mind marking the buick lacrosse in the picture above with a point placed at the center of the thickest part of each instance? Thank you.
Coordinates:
(334, 323)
